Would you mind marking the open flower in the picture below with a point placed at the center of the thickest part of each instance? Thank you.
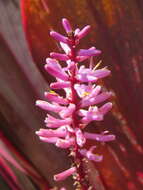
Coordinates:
(90, 155)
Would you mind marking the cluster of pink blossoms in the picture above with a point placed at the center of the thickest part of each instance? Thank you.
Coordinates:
(78, 107)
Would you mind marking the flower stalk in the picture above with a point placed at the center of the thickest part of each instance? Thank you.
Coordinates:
(78, 107)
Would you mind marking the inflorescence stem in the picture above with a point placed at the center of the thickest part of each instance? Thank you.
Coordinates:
(77, 158)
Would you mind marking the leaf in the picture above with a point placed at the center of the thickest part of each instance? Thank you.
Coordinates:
(20, 119)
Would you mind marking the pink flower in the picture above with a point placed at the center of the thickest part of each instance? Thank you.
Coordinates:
(49, 107)
(59, 37)
(54, 68)
(66, 25)
(68, 111)
(88, 154)
(60, 132)
(66, 48)
(59, 56)
(87, 91)
(65, 143)
(52, 140)
(80, 138)
(89, 75)
(65, 174)
(55, 123)
(82, 33)
(60, 85)
(89, 52)
(95, 100)
(99, 137)
(94, 113)
(91, 115)
(54, 97)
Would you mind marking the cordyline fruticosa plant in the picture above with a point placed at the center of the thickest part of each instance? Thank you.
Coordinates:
(78, 107)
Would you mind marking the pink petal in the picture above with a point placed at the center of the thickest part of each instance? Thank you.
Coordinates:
(60, 85)
(48, 107)
(54, 97)
(80, 138)
(90, 155)
(58, 37)
(65, 143)
(83, 32)
(65, 174)
(59, 56)
(66, 25)
(99, 137)
(54, 123)
(98, 99)
(83, 90)
(68, 111)
(60, 132)
(77, 30)
(89, 52)
(52, 140)
(106, 108)
(54, 68)
(101, 73)
(81, 58)
(65, 47)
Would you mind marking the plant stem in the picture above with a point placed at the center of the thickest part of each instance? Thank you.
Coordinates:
(81, 181)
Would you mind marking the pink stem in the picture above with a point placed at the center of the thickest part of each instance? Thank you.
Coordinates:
(78, 159)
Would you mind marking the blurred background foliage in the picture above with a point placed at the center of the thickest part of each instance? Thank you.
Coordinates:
(117, 28)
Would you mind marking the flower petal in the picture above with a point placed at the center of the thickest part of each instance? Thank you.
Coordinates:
(54, 123)
(58, 37)
(83, 32)
(68, 111)
(60, 85)
(54, 68)
(89, 52)
(60, 132)
(66, 25)
(48, 107)
(65, 174)
(59, 56)
(54, 97)
(80, 138)
(99, 137)
(95, 100)
(65, 143)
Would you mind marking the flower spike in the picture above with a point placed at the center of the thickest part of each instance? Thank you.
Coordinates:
(79, 104)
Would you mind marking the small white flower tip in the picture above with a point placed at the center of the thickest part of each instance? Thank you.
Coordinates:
(45, 93)
(64, 19)
(36, 132)
(37, 102)
(52, 32)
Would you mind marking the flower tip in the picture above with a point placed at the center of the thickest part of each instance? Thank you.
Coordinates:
(52, 33)
(56, 178)
(52, 54)
(37, 133)
(83, 32)
(66, 25)
(46, 66)
(110, 104)
(63, 175)
(45, 94)
(64, 20)
(37, 103)
(112, 137)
